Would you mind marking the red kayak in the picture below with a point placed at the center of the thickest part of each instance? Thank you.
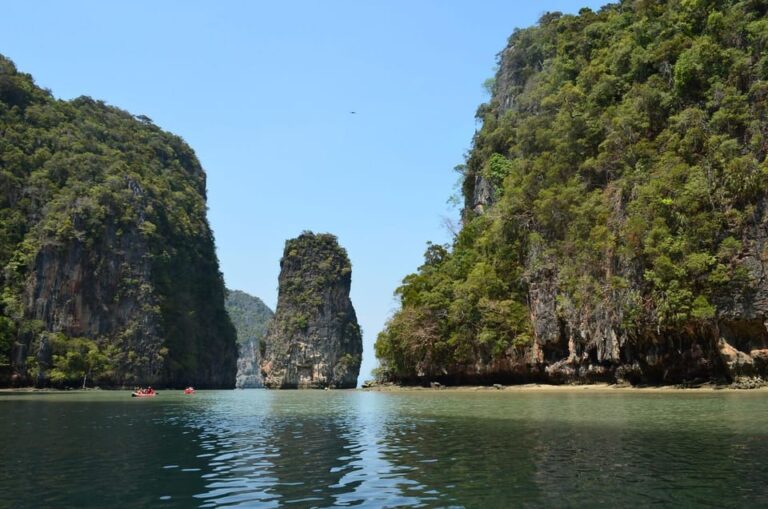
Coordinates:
(143, 394)
(189, 390)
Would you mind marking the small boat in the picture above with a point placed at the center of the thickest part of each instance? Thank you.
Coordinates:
(189, 390)
(144, 393)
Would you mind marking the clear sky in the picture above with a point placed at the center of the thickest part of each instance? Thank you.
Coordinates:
(263, 92)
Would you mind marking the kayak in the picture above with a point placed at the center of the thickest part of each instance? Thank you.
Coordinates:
(143, 395)
(189, 390)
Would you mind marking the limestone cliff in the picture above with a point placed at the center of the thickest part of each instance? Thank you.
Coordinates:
(110, 271)
(251, 318)
(615, 225)
(314, 340)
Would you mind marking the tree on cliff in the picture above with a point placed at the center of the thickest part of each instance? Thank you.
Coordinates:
(76, 360)
(614, 197)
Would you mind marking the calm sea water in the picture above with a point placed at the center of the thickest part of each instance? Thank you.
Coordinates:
(259, 448)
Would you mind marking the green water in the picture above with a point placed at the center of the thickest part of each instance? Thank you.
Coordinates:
(484, 449)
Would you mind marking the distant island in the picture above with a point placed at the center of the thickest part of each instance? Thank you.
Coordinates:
(251, 318)
(615, 214)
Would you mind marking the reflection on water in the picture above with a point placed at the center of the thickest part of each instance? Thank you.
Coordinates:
(424, 449)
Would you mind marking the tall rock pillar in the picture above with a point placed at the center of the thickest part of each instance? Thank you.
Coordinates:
(314, 340)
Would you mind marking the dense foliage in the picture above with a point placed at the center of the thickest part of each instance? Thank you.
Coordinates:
(76, 360)
(249, 315)
(90, 187)
(625, 154)
(311, 264)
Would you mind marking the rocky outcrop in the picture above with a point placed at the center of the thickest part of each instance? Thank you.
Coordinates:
(615, 221)
(314, 340)
(251, 318)
(595, 339)
(105, 247)
(482, 195)
(96, 292)
(593, 343)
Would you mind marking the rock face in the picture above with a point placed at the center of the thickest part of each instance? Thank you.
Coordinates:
(314, 340)
(605, 237)
(251, 318)
(105, 243)
(593, 341)
(249, 366)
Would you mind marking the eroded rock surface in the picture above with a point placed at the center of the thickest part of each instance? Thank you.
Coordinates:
(314, 340)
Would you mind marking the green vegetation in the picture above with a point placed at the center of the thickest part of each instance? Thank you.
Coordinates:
(103, 219)
(77, 360)
(310, 265)
(347, 364)
(625, 150)
(250, 316)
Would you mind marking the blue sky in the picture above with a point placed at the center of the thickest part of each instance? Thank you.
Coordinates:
(263, 91)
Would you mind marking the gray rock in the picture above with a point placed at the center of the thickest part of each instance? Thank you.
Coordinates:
(482, 197)
(314, 340)
(249, 367)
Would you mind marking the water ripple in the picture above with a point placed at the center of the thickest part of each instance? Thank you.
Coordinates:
(261, 449)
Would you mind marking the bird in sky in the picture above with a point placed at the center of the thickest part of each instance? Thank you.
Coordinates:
(352, 112)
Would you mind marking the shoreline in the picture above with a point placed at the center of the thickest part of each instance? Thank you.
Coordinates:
(518, 388)
(552, 388)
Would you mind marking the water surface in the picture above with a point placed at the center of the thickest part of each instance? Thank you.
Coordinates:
(258, 448)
